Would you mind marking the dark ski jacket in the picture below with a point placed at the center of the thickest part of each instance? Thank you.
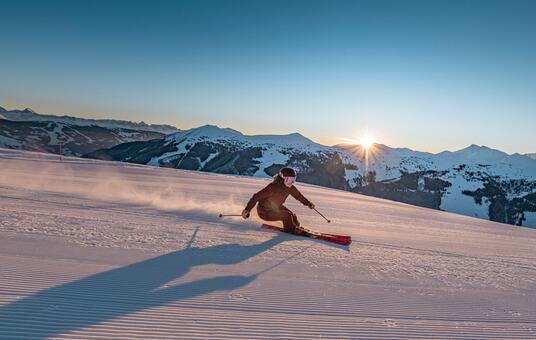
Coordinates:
(272, 197)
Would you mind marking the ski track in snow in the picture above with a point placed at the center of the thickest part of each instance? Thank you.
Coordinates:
(101, 250)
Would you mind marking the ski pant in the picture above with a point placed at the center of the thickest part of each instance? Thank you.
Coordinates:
(282, 213)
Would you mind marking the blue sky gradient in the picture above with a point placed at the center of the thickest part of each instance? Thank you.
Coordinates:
(429, 75)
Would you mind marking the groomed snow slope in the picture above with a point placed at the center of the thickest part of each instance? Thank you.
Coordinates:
(97, 250)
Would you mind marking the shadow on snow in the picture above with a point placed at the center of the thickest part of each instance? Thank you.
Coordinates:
(122, 291)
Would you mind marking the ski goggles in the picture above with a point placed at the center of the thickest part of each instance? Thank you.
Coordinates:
(287, 180)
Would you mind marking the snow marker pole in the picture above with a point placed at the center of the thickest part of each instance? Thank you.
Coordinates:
(319, 213)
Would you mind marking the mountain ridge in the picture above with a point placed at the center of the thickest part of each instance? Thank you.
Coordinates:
(75, 140)
(30, 115)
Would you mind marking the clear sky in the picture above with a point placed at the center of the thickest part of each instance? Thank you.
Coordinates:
(429, 75)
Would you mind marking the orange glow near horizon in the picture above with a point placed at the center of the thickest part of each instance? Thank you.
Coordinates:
(366, 141)
(366, 147)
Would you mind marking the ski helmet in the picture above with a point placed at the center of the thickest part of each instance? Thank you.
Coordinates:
(287, 172)
(288, 175)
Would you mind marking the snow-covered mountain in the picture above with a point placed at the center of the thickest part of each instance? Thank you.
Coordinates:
(77, 140)
(27, 115)
(475, 181)
(209, 148)
(2, 110)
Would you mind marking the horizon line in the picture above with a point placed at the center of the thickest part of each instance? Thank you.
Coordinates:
(99, 116)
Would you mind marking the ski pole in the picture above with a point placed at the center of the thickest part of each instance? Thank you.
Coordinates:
(229, 215)
(319, 213)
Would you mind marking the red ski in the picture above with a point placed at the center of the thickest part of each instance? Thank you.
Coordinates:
(302, 231)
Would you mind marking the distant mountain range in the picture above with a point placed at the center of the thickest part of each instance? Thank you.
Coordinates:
(27, 130)
(475, 181)
(29, 115)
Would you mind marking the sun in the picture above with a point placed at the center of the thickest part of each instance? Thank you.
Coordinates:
(366, 142)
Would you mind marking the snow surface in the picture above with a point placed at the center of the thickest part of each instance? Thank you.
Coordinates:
(530, 218)
(101, 250)
(269, 157)
(453, 199)
(350, 176)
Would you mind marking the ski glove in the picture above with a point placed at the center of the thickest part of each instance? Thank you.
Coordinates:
(245, 214)
(311, 205)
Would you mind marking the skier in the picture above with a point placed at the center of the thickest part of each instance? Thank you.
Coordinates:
(272, 197)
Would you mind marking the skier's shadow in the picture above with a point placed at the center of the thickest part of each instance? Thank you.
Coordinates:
(118, 292)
